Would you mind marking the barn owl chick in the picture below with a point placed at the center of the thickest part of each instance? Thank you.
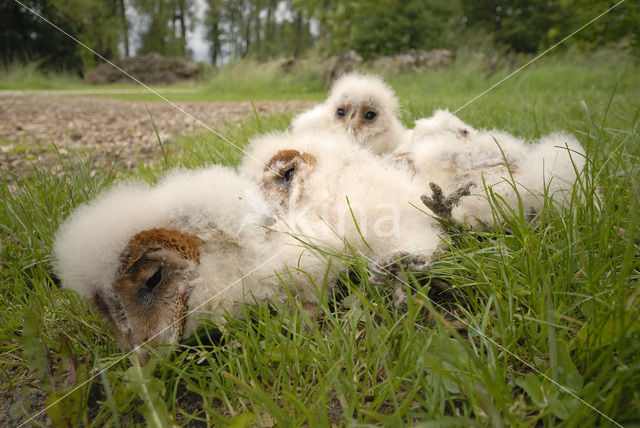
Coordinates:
(363, 107)
(493, 162)
(156, 260)
(328, 187)
(441, 123)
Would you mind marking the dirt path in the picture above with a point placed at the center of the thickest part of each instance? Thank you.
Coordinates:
(101, 127)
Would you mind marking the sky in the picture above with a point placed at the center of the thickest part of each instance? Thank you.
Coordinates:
(196, 39)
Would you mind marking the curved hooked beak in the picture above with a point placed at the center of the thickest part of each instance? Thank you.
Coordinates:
(351, 125)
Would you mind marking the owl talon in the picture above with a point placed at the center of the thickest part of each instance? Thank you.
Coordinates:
(442, 205)
(392, 267)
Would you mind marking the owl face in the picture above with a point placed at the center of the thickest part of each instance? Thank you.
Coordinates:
(284, 176)
(148, 300)
(360, 119)
(367, 109)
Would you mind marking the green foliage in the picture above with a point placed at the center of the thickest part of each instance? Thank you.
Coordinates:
(65, 400)
(36, 351)
(269, 29)
(622, 22)
(388, 27)
(522, 25)
(166, 30)
(66, 407)
(25, 38)
(96, 24)
(529, 25)
(150, 390)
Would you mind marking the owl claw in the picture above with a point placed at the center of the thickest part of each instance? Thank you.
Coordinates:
(392, 267)
(442, 205)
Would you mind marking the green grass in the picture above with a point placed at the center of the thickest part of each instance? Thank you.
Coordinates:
(28, 77)
(236, 82)
(554, 303)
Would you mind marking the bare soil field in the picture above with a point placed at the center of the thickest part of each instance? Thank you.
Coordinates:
(34, 128)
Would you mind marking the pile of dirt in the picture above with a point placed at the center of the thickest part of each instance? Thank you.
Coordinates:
(415, 60)
(345, 63)
(151, 68)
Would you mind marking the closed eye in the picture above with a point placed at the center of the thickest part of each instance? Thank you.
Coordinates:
(154, 279)
(288, 174)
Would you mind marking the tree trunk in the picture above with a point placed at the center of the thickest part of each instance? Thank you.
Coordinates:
(183, 28)
(247, 38)
(270, 27)
(215, 40)
(300, 35)
(125, 27)
(247, 33)
(323, 36)
(258, 37)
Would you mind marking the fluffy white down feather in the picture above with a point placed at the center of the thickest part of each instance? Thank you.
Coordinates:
(358, 94)
(240, 259)
(87, 246)
(346, 180)
(442, 154)
(441, 123)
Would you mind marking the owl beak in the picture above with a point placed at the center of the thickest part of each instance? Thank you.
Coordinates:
(351, 126)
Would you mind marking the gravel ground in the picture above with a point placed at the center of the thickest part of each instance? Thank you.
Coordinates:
(100, 127)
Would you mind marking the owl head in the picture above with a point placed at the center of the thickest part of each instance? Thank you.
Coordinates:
(362, 106)
(442, 124)
(147, 302)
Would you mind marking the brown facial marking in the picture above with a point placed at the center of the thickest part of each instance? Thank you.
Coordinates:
(368, 113)
(309, 159)
(363, 118)
(285, 168)
(284, 156)
(147, 301)
(342, 112)
(183, 244)
(112, 310)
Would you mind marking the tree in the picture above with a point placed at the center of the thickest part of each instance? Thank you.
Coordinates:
(93, 22)
(621, 22)
(125, 26)
(165, 31)
(213, 18)
(26, 38)
(386, 27)
(528, 25)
